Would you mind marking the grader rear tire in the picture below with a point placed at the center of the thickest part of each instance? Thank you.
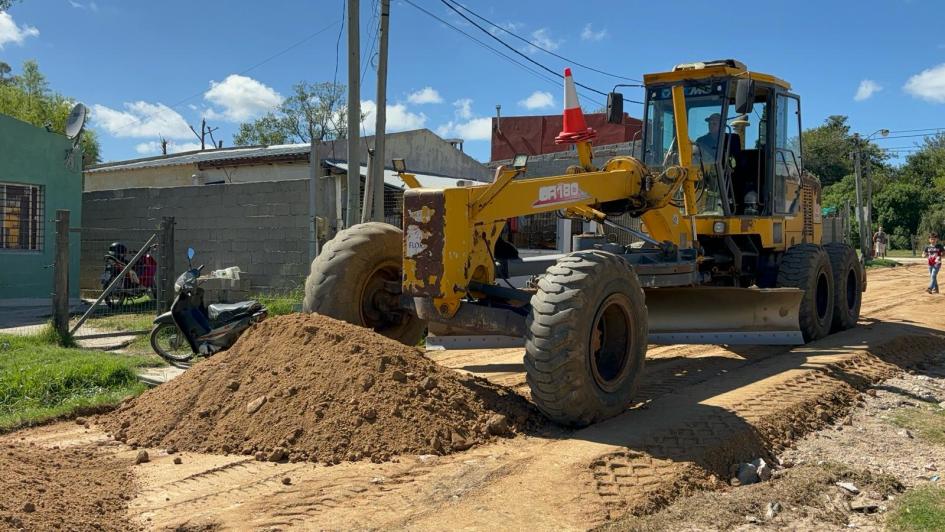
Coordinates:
(847, 285)
(807, 266)
(352, 280)
(586, 339)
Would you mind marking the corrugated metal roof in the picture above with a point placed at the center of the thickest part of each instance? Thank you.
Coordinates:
(392, 179)
(205, 156)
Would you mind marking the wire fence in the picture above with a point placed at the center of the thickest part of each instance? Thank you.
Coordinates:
(121, 279)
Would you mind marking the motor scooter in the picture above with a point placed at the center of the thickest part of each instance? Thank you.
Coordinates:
(191, 328)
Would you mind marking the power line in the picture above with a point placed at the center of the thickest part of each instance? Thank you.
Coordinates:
(334, 79)
(547, 51)
(914, 130)
(374, 25)
(907, 136)
(497, 52)
(309, 37)
(512, 48)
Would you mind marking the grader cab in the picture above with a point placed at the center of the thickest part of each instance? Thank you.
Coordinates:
(730, 251)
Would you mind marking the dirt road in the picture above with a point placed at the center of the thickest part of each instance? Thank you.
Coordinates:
(701, 409)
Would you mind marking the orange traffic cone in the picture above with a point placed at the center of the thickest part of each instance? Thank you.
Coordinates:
(574, 128)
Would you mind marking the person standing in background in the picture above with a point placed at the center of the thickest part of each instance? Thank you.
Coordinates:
(933, 252)
(879, 243)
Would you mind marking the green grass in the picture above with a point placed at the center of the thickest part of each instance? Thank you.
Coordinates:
(902, 253)
(41, 380)
(928, 424)
(142, 321)
(881, 263)
(920, 509)
(280, 303)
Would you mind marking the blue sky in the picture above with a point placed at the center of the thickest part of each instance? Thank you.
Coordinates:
(150, 68)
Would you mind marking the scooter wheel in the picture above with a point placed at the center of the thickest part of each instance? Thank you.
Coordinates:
(169, 342)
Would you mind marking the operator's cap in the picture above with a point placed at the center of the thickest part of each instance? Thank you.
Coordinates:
(713, 116)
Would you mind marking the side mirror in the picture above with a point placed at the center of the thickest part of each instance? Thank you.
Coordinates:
(190, 253)
(744, 96)
(614, 108)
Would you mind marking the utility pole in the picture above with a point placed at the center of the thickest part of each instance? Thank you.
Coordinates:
(380, 128)
(353, 215)
(864, 229)
(313, 195)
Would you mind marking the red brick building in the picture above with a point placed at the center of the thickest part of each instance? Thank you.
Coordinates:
(535, 135)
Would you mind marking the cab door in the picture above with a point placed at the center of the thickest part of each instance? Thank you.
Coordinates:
(788, 164)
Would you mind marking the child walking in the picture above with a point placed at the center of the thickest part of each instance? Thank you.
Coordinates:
(934, 252)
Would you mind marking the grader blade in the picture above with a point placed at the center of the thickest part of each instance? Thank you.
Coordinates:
(720, 315)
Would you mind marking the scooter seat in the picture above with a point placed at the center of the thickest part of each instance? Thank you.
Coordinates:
(227, 311)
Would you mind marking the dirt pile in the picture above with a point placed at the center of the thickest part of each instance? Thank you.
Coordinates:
(63, 489)
(307, 387)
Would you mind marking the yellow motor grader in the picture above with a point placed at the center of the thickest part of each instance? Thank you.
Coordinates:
(729, 253)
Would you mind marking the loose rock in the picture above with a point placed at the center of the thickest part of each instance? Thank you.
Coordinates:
(772, 510)
(253, 406)
(142, 457)
(848, 486)
(497, 425)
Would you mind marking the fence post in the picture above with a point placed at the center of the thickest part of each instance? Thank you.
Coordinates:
(166, 266)
(60, 297)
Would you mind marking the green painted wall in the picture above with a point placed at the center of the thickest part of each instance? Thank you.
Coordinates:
(32, 155)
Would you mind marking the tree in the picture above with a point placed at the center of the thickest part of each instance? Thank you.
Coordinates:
(899, 206)
(827, 150)
(4, 70)
(313, 110)
(7, 4)
(27, 97)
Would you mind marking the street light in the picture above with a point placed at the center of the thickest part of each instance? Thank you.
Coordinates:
(865, 222)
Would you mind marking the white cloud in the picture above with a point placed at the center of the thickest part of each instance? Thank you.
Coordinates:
(425, 95)
(928, 84)
(474, 129)
(538, 100)
(590, 35)
(463, 108)
(11, 33)
(542, 37)
(154, 147)
(466, 126)
(242, 98)
(79, 5)
(399, 118)
(508, 26)
(866, 89)
(141, 119)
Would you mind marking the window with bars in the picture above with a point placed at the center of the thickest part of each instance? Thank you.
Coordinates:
(21, 217)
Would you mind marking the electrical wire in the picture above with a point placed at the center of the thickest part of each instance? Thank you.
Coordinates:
(341, 30)
(907, 136)
(915, 130)
(532, 71)
(138, 120)
(372, 48)
(547, 51)
(512, 48)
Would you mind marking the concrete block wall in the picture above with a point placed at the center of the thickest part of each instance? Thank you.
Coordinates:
(261, 227)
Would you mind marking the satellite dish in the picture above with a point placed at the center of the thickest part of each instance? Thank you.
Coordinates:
(76, 120)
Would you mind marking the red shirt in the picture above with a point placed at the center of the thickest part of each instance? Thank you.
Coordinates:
(934, 253)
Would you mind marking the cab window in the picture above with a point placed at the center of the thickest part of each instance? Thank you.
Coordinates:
(787, 156)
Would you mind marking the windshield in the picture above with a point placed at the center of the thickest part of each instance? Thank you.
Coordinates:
(186, 279)
(704, 110)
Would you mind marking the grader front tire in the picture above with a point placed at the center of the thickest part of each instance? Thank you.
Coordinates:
(353, 277)
(586, 339)
(807, 266)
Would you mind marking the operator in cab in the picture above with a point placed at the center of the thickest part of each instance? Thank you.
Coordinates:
(709, 143)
